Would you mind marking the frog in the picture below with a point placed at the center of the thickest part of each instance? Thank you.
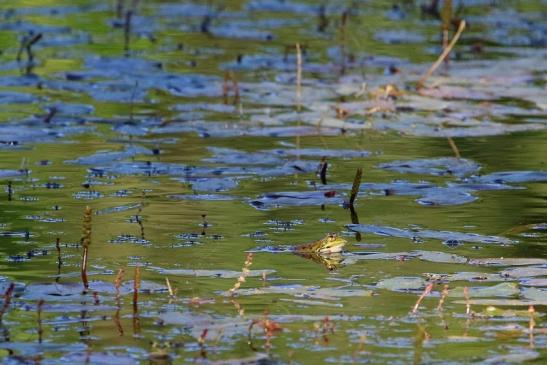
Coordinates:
(331, 243)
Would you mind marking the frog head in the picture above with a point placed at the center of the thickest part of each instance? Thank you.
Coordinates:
(331, 243)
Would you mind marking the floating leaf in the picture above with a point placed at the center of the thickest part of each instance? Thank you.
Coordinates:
(224, 274)
(508, 261)
(303, 198)
(301, 291)
(505, 290)
(402, 283)
(424, 233)
(539, 295)
(436, 166)
(527, 271)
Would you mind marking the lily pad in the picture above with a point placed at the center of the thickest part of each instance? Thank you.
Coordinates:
(444, 166)
(302, 291)
(304, 198)
(505, 290)
(222, 274)
(402, 283)
(424, 233)
(508, 261)
(107, 157)
(525, 271)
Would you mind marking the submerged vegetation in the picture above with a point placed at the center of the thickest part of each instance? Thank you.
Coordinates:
(194, 136)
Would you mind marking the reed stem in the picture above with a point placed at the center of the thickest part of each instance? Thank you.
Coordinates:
(86, 242)
(443, 55)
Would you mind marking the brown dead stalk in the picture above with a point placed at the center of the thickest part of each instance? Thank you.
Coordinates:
(39, 308)
(467, 303)
(531, 326)
(201, 342)
(86, 241)
(323, 329)
(118, 282)
(443, 55)
(169, 288)
(244, 273)
(7, 299)
(117, 285)
(136, 288)
(360, 347)
(268, 326)
(454, 148)
(426, 292)
(444, 294)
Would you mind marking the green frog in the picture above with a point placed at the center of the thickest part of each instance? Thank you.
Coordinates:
(330, 244)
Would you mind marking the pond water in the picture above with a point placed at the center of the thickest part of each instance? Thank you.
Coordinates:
(196, 139)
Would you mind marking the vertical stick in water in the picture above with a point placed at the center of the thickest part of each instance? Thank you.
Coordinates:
(58, 248)
(343, 56)
(531, 326)
(86, 241)
(7, 300)
(116, 317)
(444, 294)
(467, 303)
(323, 171)
(421, 337)
(39, 313)
(119, 9)
(298, 76)
(454, 148)
(118, 282)
(127, 31)
(446, 17)
(298, 92)
(169, 287)
(355, 186)
(201, 342)
(59, 259)
(136, 288)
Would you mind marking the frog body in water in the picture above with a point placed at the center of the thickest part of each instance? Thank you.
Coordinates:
(330, 244)
(326, 251)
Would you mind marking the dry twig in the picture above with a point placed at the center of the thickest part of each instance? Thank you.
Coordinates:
(86, 241)
(244, 273)
(426, 292)
(443, 55)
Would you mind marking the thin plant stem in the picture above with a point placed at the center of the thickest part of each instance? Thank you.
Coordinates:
(298, 77)
(454, 147)
(7, 299)
(244, 273)
(467, 303)
(531, 326)
(355, 186)
(86, 242)
(444, 294)
(39, 314)
(443, 55)
(426, 292)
